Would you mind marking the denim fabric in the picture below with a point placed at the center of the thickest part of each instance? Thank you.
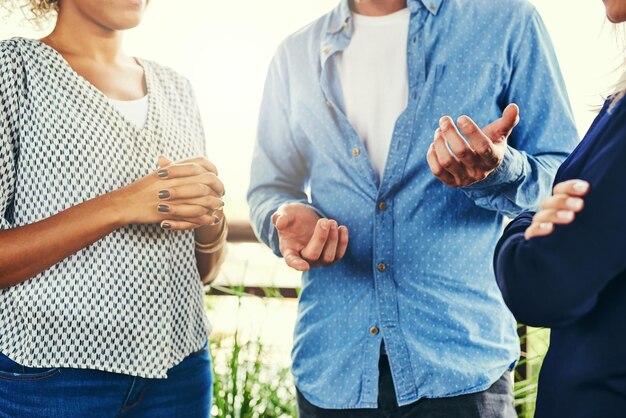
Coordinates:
(417, 272)
(27, 392)
(495, 402)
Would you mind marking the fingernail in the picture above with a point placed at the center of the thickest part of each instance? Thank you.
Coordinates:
(162, 173)
(565, 214)
(166, 225)
(164, 194)
(163, 208)
(324, 224)
(463, 121)
(443, 121)
(581, 186)
(545, 226)
(216, 220)
(574, 203)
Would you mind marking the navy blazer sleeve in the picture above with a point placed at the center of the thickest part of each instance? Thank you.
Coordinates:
(554, 280)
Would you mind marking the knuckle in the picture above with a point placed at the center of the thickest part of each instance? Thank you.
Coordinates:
(446, 162)
(462, 153)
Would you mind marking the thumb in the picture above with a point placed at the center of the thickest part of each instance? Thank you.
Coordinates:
(510, 118)
(281, 221)
(163, 161)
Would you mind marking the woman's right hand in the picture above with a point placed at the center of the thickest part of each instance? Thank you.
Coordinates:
(560, 208)
(188, 190)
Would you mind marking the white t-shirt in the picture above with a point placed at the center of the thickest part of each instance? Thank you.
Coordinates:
(136, 111)
(374, 80)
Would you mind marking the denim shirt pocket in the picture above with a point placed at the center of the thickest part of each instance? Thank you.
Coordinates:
(468, 88)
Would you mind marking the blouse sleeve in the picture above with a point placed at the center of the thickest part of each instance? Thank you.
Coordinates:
(552, 281)
(11, 98)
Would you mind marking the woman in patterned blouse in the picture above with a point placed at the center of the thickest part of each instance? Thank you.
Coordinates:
(108, 225)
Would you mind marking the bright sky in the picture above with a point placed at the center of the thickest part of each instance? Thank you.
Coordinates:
(224, 48)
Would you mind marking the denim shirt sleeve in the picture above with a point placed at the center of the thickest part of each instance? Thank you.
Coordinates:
(279, 170)
(545, 135)
(11, 74)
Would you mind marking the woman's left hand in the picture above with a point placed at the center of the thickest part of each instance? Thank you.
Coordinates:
(209, 197)
(560, 208)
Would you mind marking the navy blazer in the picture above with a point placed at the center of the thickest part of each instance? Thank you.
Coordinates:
(574, 281)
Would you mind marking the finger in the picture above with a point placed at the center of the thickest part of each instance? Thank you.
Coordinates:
(563, 202)
(163, 161)
(510, 119)
(503, 126)
(482, 145)
(205, 177)
(313, 250)
(343, 242)
(538, 230)
(206, 164)
(555, 216)
(458, 145)
(447, 160)
(210, 203)
(180, 211)
(173, 225)
(185, 191)
(281, 221)
(437, 169)
(330, 248)
(572, 187)
(208, 219)
(293, 260)
(180, 170)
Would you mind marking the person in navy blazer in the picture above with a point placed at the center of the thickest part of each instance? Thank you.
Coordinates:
(564, 267)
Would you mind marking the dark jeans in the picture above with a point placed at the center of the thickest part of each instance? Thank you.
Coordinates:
(495, 402)
(27, 392)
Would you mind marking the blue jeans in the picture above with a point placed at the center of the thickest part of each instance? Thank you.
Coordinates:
(27, 392)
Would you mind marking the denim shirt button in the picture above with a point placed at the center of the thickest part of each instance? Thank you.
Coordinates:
(374, 331)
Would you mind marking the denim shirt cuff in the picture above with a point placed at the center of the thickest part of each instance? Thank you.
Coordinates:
(510, 170)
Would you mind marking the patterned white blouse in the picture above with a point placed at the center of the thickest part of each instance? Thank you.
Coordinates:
(132, 302)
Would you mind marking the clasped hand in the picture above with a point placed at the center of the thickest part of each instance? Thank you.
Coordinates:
(179, 195)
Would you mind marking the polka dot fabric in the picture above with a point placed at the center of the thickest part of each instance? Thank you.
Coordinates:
(417, 273)
(132, 302)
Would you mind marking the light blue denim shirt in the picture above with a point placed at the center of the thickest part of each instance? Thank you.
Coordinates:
(417, 273)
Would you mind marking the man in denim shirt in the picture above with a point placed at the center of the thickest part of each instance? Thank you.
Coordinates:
(404, 318)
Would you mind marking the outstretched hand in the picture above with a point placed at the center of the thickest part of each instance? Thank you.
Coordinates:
(457, 162)
(306, 239)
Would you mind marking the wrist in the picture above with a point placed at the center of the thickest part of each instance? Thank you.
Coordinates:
(112, 208)
(211, 239)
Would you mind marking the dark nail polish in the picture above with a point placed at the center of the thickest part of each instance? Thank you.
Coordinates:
(163, 208)
(166, 225)
(216, 220)
(162, 173)
(164, 194)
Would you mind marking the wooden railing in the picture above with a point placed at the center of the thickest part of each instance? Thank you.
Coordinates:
(242, 232)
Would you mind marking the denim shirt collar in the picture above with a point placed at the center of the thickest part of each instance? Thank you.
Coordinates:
(340, 17)
(339, 28)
